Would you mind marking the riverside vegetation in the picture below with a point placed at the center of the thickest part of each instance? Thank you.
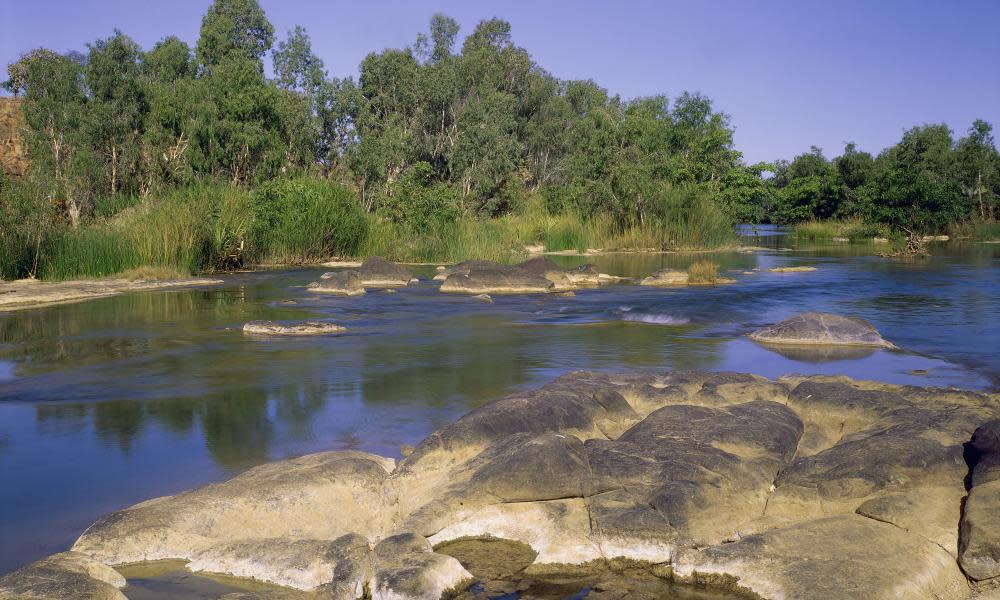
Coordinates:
(187, 160)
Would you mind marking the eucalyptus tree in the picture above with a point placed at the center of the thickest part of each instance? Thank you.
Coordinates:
(55, 113)
(118, 105)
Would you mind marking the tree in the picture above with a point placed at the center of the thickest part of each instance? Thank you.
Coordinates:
(915, 187)
(979, 168)
(118, 106)
(168, 61)
(54, 112)
(234, 27)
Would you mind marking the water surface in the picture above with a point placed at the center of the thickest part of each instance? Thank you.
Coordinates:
(109, 402)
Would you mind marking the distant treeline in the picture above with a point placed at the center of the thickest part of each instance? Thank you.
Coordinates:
(427, 136)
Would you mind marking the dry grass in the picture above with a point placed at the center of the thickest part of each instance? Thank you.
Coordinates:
(703, 271)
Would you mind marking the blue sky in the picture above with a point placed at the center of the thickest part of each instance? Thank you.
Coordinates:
(790, 73)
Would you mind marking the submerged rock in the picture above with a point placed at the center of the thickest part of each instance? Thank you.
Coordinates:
(792, 269)
(806, 487)
(303, 328)
(340, 283)
(822, 328)
(377, 272)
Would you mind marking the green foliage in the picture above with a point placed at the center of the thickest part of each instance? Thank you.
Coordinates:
(234, 27)
(306, 219)
(924, 184)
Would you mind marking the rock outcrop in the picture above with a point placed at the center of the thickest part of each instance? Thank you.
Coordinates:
(805, 487)
(980, 531)
(61, 576)
(338, 283)
(377, 272)
(673, 277)
(822, 328)
(303, 328)
(534, 276)
(484, 277)
(666, 277)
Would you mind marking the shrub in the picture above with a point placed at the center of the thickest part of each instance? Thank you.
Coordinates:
(703, 271)
(304, 219)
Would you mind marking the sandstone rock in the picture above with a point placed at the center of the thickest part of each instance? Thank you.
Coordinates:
(536, 275)
(379, 273)
(822, 328)
(318, 496)
(303, 328)
(302, 564)
(405, 566)
(806, 487)
(340, 283)
(792, 269)
(61, 576)
(845, 557)
(483, 277)
(28, 293)
(666, 277)
(980, 530)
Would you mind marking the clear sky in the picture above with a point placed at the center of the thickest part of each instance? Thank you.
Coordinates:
(791, 73)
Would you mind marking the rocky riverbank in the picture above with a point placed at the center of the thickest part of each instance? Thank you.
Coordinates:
(31, 293)
(817, 487)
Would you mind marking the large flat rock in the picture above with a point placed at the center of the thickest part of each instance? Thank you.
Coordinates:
(822, 328)
(805, 487)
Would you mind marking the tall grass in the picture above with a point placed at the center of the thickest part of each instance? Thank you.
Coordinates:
(218, 226)
(987, 231)
(854, 230)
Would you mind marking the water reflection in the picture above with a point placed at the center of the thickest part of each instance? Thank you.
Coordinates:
(109, 402)
(819, 354)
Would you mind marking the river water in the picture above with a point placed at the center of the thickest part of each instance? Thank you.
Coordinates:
(109, 402)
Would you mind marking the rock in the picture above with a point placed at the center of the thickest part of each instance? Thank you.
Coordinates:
(340, 283)
(822, 328)
(880, 240)
(792, 269)
(482, 277)
(301, 564)
(536, 275)
(379, 273)
(318, 496)
(806, 487)
(484, 298)
(405, 566)
(61, 576)
(584, 276)
(28, 293)
(979, 551)
(837, 558)
(303, 328)
(839, 239)
(666, 277)
(935, 238)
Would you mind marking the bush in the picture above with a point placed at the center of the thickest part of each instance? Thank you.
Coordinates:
(27, 223)
(703, 271)
(304, 219)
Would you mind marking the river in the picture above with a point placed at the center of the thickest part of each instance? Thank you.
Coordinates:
(109, 402)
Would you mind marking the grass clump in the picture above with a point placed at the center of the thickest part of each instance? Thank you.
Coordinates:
(854, 230)
(703, 271)
(987, 231)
